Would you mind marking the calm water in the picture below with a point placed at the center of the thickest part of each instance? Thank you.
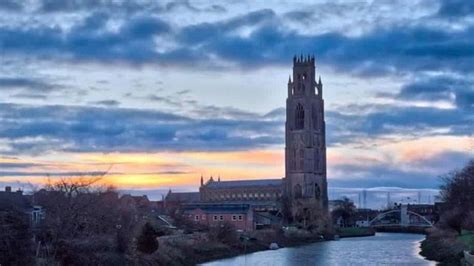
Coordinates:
(381, 249)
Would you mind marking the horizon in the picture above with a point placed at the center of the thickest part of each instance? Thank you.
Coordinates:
(166, 92)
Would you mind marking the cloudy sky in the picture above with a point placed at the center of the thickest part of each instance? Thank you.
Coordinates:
(159, 92)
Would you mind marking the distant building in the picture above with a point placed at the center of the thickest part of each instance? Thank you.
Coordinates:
(426, 210)
(174, 200)
(16, 201)
(141, 203)
(362, 217)
(263, 190)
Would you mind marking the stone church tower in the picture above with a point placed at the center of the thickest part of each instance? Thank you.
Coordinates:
(305, 151)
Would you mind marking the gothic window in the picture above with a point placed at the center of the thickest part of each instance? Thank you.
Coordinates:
(317, 191)
(301, 159)
(299, 117)
(304, 76)
(297, 192)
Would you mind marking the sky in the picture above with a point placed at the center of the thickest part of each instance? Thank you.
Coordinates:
(158, 93)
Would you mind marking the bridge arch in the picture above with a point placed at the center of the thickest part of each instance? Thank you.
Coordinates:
(382, 215)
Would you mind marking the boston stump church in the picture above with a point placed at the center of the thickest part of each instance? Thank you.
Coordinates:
(305, 134)
(305, 163)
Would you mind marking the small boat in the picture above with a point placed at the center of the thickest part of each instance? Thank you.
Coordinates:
(274, 246)
(469, 258)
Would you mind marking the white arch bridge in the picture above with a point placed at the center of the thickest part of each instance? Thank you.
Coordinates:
(401, 217)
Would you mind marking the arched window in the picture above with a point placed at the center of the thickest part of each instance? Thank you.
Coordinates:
(297, 192)
(299, 117)
(317, 191)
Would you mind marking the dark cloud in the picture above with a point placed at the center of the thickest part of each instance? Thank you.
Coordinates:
(26, 84)
(109, 103)
(459, 90)
(75, 174)
(4, 165)
(399, 120)
(386, 49)
(176, 5)
(52, 174)
(11, 5)
(163, 99)
(456, 8)
(50, 6)
(119, 129)
(30, 129)
(88, 40)
(414, 174)
(35, 96)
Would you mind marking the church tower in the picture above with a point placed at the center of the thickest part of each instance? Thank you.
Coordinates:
(305, 151)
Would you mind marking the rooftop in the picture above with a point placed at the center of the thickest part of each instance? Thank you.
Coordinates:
(218, 207)
(245, 183)
(183, 196)
(13, 200)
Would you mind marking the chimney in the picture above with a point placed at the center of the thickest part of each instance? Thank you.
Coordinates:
(8, 189)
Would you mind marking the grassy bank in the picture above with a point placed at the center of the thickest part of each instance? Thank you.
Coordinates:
(355, 232)
(403, 229)
(444, 246)
(198, 248)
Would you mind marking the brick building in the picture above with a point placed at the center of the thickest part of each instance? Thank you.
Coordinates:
(213, 214)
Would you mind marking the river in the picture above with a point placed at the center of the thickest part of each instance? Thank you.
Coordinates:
(381, 249)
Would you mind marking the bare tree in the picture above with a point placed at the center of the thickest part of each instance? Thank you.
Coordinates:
(458, 194)
(345, 209)
(84, 219)
(310, 215)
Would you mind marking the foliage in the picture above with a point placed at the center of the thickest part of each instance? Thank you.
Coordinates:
(286, 209)
(345, 208)
(84, 223)
(146, 241)
(467, 237)
(458, 194)
(15, 238)
(224, 232)
(442, 246)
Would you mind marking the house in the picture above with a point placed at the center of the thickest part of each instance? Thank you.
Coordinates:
(174, 200)
(17, 201)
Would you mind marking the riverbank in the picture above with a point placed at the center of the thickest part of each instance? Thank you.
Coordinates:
(355, 232)
(403, 229)
(446, 246)
(381, 249)
(199, 248)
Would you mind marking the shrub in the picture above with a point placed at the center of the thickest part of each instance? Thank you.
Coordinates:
(225, 232)
(146, 241)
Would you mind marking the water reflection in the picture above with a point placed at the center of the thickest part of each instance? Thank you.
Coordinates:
(384, 248)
